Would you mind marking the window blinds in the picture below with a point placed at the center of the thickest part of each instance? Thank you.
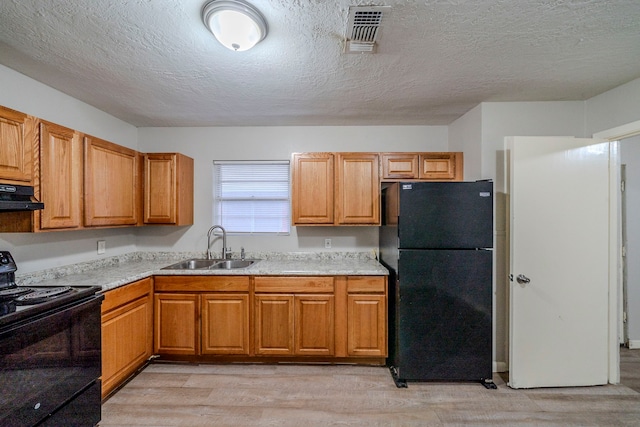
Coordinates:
(252, 197)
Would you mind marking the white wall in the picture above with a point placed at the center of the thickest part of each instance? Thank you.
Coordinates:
(29, 96)
(207, 144)
(44, 250)
(630, 155)
(616, 107)
(465, 135)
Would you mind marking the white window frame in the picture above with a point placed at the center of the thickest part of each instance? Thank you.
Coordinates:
(219, 200)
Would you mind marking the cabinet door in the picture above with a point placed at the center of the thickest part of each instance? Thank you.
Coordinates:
(111, 184)
(127, 332)
(399, 165)
(366, 325)
(168, 189)
(312, 181)
(225, 324)
(274, 317)
(17, 133)
(61, 170)
(357, 189)
(441, 166)
(176, 328)
(314, 325)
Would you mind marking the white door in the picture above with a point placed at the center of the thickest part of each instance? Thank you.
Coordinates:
(558, 198)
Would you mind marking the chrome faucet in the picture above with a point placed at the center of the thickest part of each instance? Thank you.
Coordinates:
(224, 241)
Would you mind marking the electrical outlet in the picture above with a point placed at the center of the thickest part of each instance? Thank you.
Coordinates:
(327, 243)
(102, 247)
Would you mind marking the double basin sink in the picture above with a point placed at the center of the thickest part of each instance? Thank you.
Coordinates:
(212, 264)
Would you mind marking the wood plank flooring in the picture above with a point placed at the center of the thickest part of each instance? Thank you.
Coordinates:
(311, 395)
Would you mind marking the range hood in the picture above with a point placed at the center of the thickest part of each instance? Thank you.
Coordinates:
(17, 198)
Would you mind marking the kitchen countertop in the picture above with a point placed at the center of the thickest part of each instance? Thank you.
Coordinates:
(112, 272)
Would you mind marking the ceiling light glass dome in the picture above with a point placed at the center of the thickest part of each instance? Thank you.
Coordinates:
(236, 24)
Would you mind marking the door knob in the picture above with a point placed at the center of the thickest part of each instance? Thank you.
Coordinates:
(522, 279)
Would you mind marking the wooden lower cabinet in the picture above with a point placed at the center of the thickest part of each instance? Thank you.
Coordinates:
(176, 324)
(367, 316)
(298, 323)
(314, 325)
(366, 325)
(274, 324)
(288, 325)
(127, 328)
(225, 323)
(202, 315)
(313, 317)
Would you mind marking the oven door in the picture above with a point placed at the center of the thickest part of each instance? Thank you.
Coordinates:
(48, 362)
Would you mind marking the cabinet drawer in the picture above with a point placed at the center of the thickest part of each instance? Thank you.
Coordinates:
(366, 284)
(201, 283)
(125, 294)
(309, 284)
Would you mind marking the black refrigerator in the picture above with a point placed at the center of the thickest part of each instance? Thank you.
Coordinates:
(436, 240)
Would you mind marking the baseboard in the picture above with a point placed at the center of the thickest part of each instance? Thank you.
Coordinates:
(500, 367)
(634, 344)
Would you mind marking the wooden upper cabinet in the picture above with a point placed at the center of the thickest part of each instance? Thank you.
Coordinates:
(441, 166)
(399, 165)
(312, 181)
(335, 189)
(357, 189)
(61, 170)
(168, 189)
(111, 184)
(17, 139)
(437, 166)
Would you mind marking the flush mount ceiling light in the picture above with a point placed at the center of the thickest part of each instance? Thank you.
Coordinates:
(235, 23)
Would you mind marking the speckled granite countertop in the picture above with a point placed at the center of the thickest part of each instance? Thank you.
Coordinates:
(110, 273)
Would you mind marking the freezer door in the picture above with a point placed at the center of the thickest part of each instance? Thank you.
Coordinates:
(446, 215)
(443, 313)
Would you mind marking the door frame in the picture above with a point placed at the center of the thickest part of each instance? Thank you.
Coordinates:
(614, 135)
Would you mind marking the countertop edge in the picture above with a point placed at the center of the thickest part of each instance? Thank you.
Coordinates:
(113, 273)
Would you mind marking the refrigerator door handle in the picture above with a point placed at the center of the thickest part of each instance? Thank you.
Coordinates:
(522, 279)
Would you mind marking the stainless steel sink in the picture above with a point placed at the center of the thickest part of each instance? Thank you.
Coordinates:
(213, 264)
(231, 264)
(192, 264)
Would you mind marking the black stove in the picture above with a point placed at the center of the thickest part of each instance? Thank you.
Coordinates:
(50, 352)
(16, 301)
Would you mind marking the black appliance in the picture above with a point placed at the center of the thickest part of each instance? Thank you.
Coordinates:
(50, 353)
(436, 241)
(15, 198)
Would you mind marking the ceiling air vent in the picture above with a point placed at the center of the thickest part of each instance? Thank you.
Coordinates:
(363, 28)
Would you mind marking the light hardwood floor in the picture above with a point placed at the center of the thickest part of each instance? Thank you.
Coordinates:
(310, 395)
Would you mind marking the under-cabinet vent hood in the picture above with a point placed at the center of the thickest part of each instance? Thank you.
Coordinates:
(363, 28)
(16, 198)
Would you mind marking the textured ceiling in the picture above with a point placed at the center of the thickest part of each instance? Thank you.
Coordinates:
(153, 63)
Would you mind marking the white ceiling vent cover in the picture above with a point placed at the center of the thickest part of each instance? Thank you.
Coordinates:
(363, 28)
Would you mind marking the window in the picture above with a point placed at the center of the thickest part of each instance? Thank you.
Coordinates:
(252, 197)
